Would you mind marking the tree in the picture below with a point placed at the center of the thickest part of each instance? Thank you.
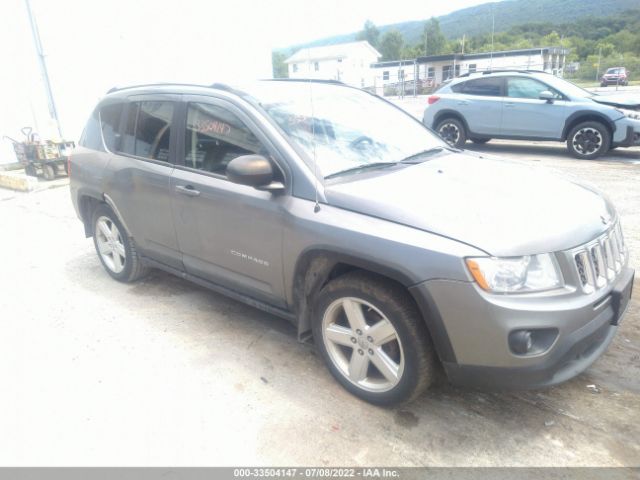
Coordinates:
(278, 66)
(433, 41)
(370, 33)
(391, 45)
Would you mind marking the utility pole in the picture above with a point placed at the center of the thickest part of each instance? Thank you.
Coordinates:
(43, 67)
(493, 29)
(463, 38)
(598, 69)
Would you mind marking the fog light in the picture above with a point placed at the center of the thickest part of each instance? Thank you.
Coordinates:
(532, 342)
(521, 341)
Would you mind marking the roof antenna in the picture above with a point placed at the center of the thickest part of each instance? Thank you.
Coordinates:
(316, 207)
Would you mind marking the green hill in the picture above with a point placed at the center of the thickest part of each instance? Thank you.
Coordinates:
(508, 13)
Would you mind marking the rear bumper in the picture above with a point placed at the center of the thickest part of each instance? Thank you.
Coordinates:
(478, 333)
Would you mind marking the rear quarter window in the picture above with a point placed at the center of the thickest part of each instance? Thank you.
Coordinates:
(104, 122)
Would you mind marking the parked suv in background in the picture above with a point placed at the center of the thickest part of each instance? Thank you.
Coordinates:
(389, 248)
(526, 105)
(615, 76)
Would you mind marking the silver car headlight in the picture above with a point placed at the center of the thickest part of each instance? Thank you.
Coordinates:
(629, 113)
(530, 273)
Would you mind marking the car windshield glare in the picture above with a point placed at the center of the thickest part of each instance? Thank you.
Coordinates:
(343, 128)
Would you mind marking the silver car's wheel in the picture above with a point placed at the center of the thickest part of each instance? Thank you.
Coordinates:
(372, 338)
(587, 141)
(450, 133)
(363, 344)
(110, 244)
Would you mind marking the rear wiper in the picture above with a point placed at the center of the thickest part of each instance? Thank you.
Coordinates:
(423, 153)
(366, 166)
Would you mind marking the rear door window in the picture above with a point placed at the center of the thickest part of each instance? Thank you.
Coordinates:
(486, 87)
(147, 130)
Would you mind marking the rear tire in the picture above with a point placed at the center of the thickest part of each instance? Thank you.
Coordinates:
(452, 131)
(115, 249)
(588, 140)
(480, 141)
(373, 338)
(48, 172)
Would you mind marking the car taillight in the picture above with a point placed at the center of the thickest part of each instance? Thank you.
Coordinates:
(433, 99)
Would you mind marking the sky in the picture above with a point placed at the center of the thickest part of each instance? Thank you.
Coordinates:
(92, 45)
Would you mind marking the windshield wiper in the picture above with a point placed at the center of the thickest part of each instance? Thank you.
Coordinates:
(424, 153)
(365, 166)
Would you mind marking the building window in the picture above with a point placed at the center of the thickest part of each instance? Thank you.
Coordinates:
(295, 67)
(431, 72)
(339, 60)
(472, 67)
(385, 75)
(446, 72)
(457, 70)
(316, 66)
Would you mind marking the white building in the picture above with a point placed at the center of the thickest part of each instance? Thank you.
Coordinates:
(347, 62)
(435, 69)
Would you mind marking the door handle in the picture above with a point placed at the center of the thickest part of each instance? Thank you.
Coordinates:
(463, 102)
(509, 104)
(187, 190)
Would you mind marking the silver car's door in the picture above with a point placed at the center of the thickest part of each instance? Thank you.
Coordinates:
(229, 234)
(480, 103)
(526, 115)
(139, 172)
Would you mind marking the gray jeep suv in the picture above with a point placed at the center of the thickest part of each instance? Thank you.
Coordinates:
(332, 208)
(527, 105)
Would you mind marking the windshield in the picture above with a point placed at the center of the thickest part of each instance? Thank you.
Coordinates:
(346, 128)
(614, 70)
(566, 87)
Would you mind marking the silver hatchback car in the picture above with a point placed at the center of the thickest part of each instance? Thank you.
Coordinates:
(393, 251)
(528, 105)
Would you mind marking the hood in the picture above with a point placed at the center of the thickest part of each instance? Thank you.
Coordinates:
(501, 207)
(621, 100)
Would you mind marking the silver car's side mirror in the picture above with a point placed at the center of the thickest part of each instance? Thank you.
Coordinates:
(546, 95)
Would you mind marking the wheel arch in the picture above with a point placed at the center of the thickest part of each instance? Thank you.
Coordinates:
(448, 113)
(316, 267)
(587, 116)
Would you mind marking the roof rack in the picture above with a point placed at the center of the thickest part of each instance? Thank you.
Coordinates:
(218, 86)
(307, 80)
(505, 70)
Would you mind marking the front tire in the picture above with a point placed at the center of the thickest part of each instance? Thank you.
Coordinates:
(373, 338)
(115, 249)
(588, 140)
(480, 141)
(452, 131)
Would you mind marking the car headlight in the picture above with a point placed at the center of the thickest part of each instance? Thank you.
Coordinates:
(531, 273)
(629, 113)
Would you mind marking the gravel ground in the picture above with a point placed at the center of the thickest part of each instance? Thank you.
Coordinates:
(162, 372)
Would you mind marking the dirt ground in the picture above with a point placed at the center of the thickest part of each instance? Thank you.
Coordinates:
(162, 372)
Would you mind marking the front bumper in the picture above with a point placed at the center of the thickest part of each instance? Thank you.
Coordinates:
(478, 324)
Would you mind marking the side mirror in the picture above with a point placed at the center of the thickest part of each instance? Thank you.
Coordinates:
(253, 170)
(546, 95)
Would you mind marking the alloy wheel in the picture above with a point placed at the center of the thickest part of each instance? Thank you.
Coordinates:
(110, 244)
(587, 141)
(363, 344)
(450, 133)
